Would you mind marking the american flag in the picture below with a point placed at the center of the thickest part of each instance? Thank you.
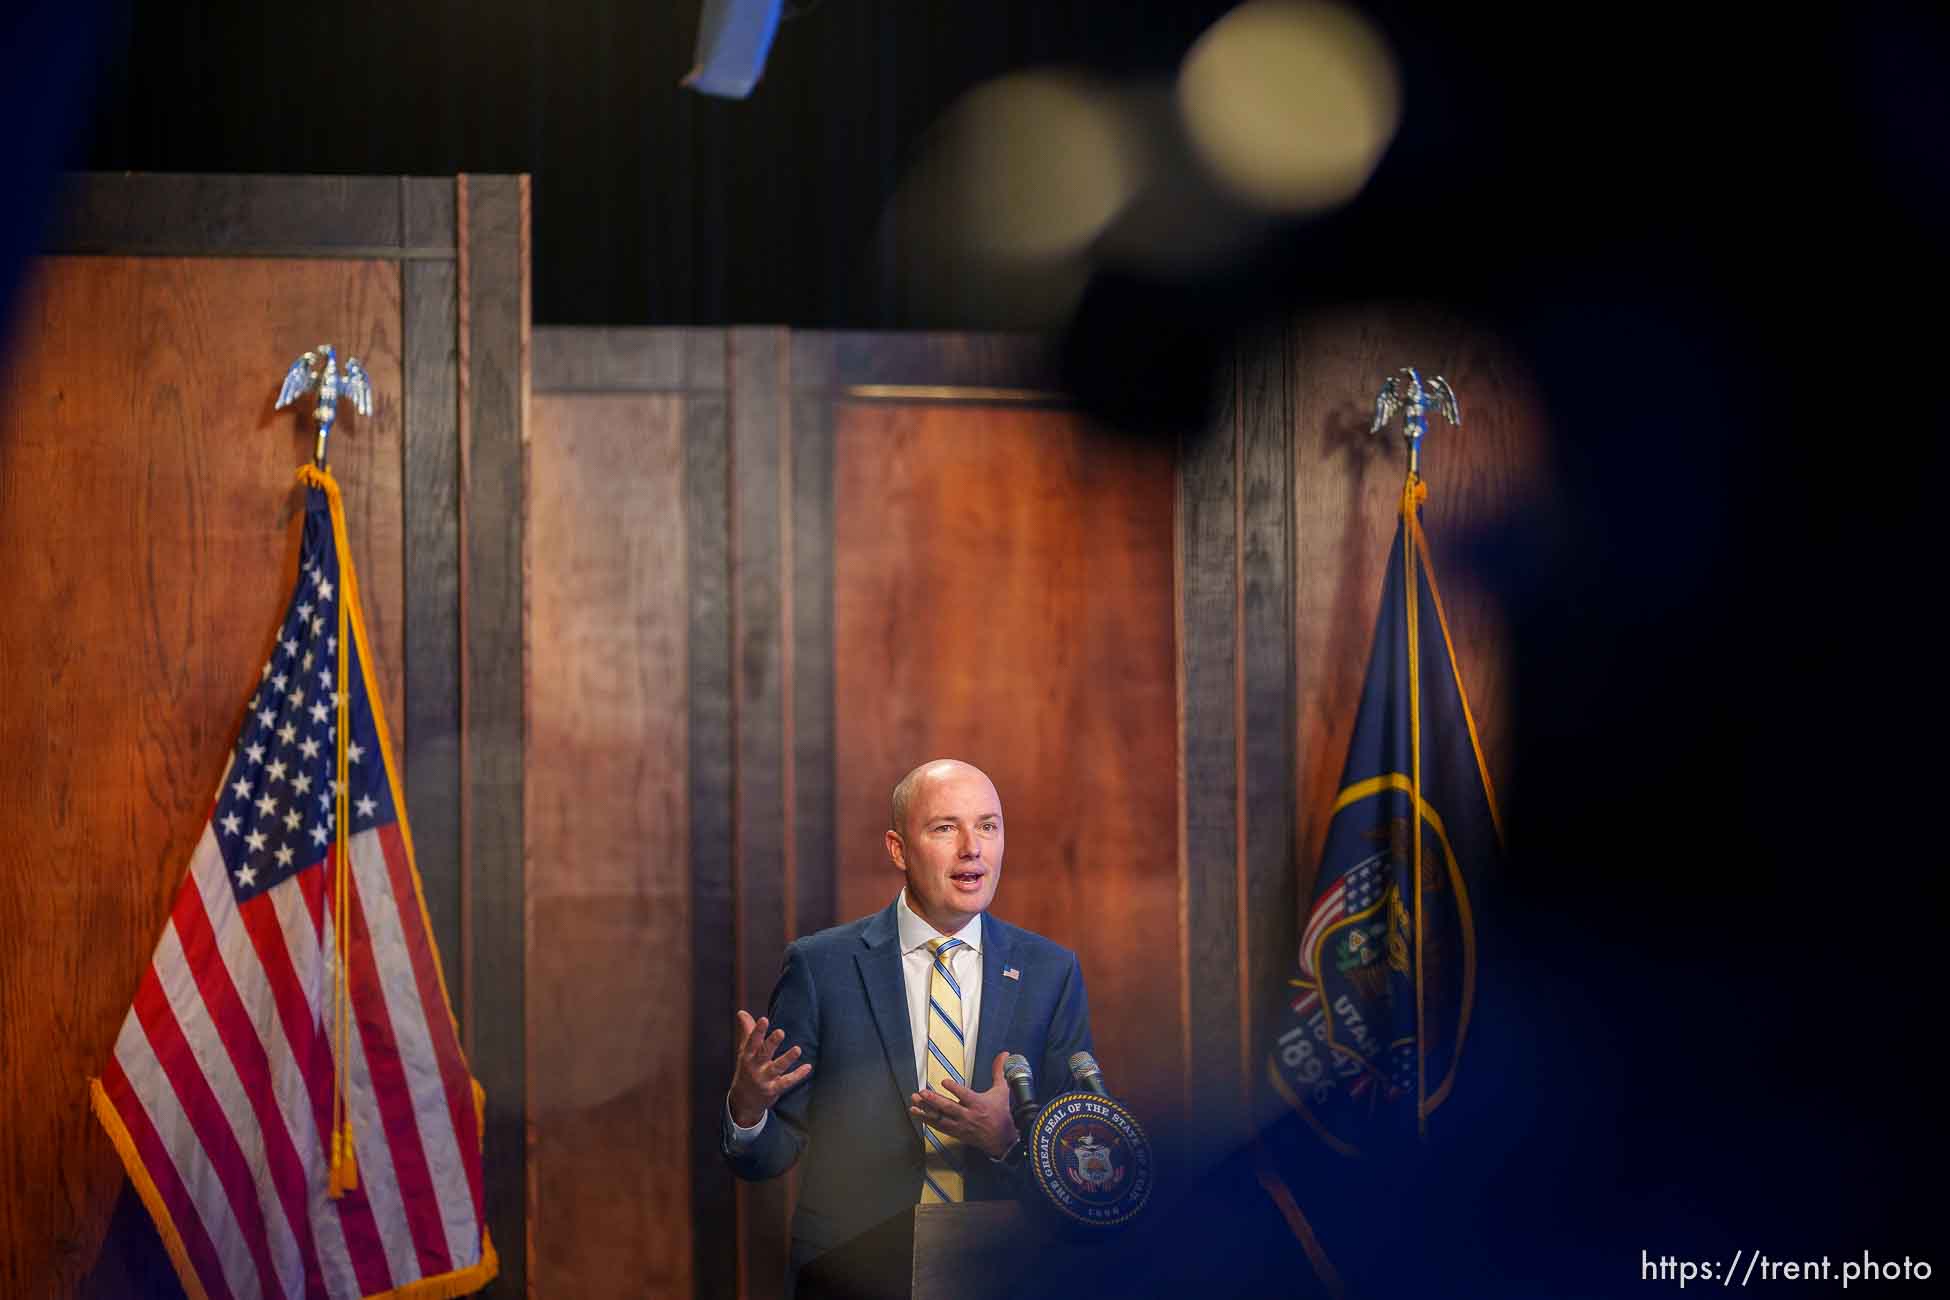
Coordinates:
(220, 1092)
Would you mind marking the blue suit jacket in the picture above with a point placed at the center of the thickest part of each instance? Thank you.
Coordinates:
(841, 999)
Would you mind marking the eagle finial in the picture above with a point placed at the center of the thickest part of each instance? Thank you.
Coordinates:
(1407, 393)
(319, 369)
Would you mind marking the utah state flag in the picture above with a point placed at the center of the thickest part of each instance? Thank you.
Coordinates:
(1374, 1029)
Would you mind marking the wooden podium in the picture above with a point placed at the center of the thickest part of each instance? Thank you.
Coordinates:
(983, 1250)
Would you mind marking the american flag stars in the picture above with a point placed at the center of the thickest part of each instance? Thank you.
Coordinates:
(266, 829)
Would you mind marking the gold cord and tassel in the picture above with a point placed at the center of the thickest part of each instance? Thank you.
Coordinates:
(344, 1175)
(1414, 493)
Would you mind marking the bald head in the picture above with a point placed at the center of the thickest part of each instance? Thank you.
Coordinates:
(947, 840)
(908, 789)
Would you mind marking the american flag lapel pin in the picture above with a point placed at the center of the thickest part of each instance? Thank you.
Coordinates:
(1011, 973)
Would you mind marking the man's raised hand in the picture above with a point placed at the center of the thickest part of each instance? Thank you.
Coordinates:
(980, 1119)
(758, 1076)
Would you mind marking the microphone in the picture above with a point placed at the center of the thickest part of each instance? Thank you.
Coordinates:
(1088, 1074)
(1022, 1091)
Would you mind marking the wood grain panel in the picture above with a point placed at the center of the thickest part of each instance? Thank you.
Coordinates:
(1347, 495)
(815, 903)
(608, 874)
(429, 218)
(148, 513)
(431, 757)
(815, 882)
(929, 359)
(1264, 422)
(714, 951)
(1236, 648)
(1209, 634)
(762, 840)
(494, 327)
(569, 358)
(1003, 594)
(235, 216)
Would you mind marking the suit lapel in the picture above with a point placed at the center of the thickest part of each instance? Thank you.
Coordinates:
(880, 972)
(998, 1002)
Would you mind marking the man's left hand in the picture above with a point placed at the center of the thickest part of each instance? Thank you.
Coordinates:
(979, 1119)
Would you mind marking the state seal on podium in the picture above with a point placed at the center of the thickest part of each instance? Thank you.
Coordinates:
(1091, 1160)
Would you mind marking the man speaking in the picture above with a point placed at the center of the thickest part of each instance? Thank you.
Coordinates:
(880, 1058)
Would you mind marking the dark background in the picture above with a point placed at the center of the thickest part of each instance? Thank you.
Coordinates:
(1720, 168)
(653, 204)
(1666, 142)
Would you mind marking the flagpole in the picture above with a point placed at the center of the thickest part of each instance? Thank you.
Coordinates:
(1410, 498)
(1414, 399)
(319, 369)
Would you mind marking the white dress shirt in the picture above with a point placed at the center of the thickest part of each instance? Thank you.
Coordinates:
(917, 969)
(917, 966)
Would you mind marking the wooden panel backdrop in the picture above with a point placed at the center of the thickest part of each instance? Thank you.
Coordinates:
(629, 799)
(772, 571)
(1003, 594)
(148, 510)
(769, 572)
(609, 942)
(724, 527)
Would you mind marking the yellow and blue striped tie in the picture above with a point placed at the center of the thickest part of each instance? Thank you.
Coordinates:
(947, 1059)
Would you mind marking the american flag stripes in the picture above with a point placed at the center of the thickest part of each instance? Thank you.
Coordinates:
(232, 1068)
